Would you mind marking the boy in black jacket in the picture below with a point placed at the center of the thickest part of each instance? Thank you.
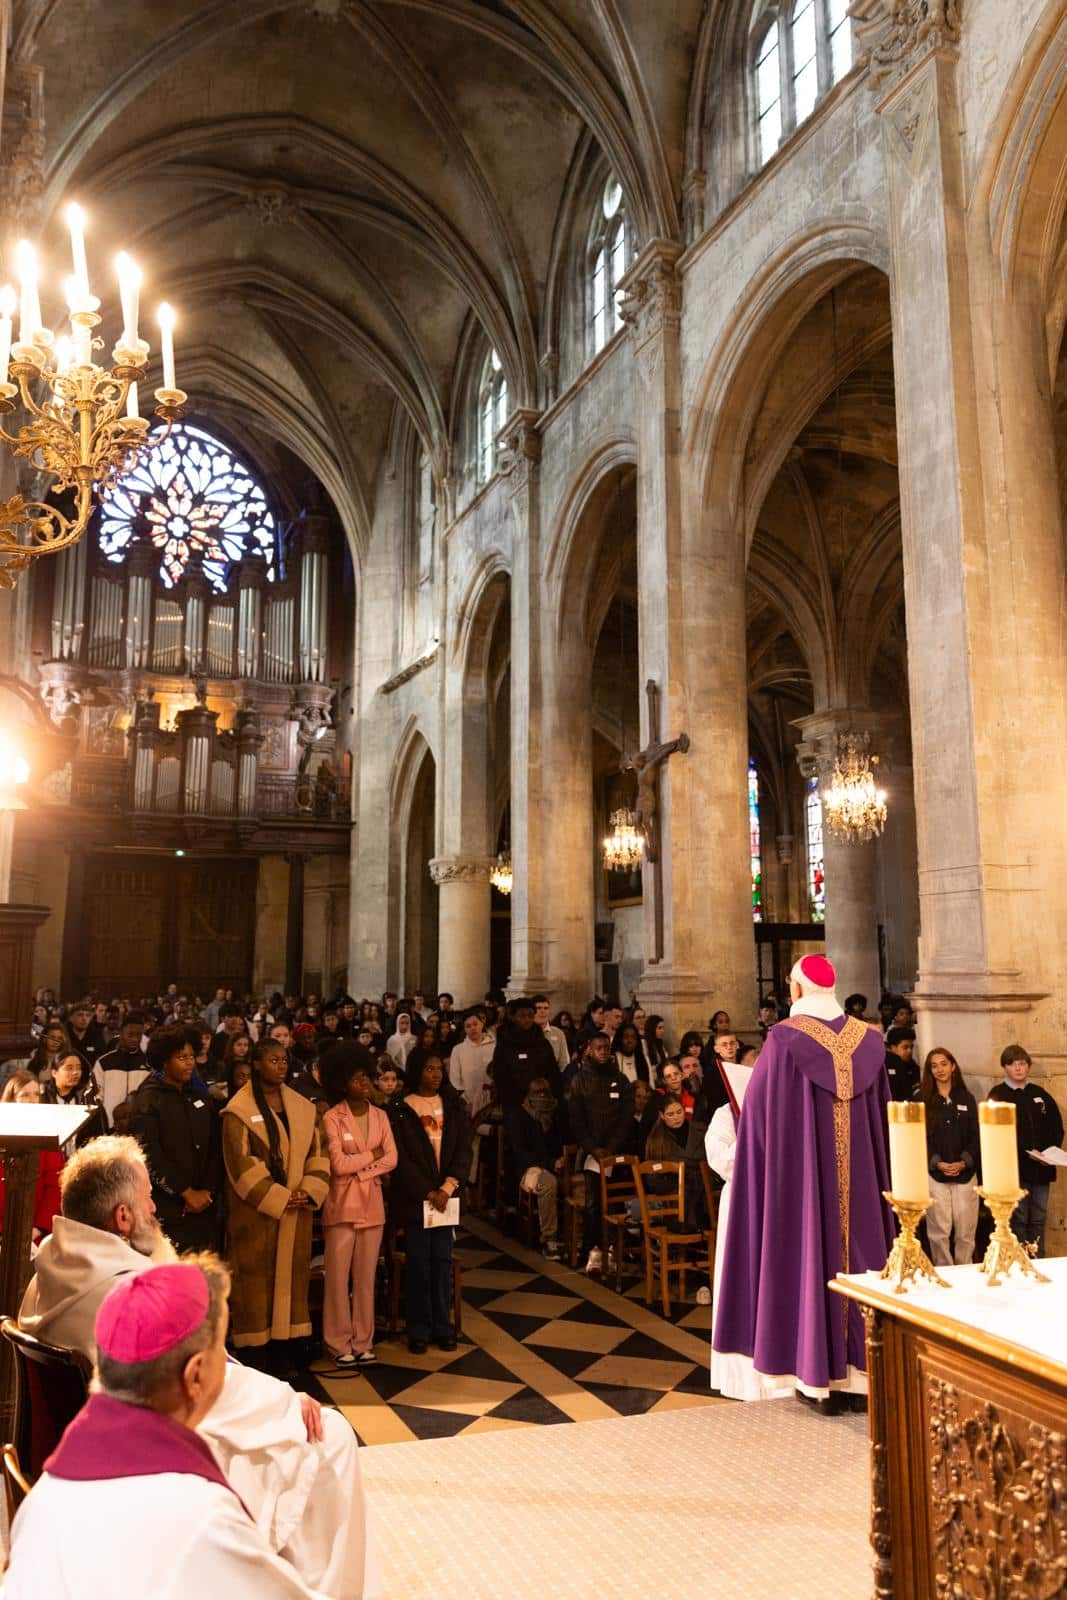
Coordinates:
(601, 1108)
(1038, 1125)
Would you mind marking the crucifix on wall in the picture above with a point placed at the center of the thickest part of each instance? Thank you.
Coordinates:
(647, 764)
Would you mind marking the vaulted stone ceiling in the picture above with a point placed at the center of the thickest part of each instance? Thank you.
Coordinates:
(334, 191)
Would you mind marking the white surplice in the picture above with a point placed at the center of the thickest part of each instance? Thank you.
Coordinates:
(169, 1535)
(307, 1498)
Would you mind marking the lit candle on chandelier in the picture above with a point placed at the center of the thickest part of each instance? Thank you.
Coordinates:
(64, 354)
(82, 335)
(129, 292)
(167, 320)
(131, 401)
(7, 312)
(29, 302)
(76, 224)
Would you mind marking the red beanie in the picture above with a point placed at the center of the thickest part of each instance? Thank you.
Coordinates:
(819, 971)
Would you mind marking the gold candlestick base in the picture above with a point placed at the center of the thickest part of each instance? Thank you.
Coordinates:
(908, 1259)
(1005, 1251)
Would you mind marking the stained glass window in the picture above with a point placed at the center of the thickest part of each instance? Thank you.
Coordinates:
(813, 830)
(753, 843)
(197, 496)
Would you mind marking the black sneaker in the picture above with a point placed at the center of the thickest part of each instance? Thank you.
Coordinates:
(418, 1347)
(448, 1343)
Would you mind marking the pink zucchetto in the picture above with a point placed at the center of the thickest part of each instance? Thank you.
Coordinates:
(817, 971)
(150, 1312)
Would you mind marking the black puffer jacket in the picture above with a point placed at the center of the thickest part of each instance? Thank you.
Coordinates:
(417, 1171)
(521, 1055)
(601, 1108)
(178, 1130)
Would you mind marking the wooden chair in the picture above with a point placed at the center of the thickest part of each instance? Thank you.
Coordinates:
(666, 1250)
(573, 1202)
(16, 1485)
(617, 1185)
(395, 1261)
(51, 1386)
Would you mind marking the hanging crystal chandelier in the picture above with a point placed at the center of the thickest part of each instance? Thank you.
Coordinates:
(625, 844)
(854, 807)
(86, 430)
(501, 876)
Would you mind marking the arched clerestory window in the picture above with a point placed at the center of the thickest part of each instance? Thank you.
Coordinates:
(800, 49)
(492, 415)
(609, 258)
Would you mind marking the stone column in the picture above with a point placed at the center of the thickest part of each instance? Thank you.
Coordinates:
(851, 867)
(691, 594)
(529, 916)
(294, 926)
(463, 926)
(983, 569)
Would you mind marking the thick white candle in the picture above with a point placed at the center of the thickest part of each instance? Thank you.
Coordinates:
(129, 292)
(64, 354)
(131, 401)
(909, 1176)
(7, 311)
(166, 324)
(1000, 1153)
(76, 224)
(29, 304)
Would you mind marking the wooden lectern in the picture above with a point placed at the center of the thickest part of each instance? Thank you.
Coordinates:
(24, 1132)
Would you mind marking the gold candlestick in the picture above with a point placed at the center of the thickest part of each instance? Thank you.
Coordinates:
(908, 1259)
(1005, 1250)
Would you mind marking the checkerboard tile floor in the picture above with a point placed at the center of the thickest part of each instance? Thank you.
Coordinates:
(541, 1344)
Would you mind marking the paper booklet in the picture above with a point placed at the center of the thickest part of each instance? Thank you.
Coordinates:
(736, 1079)
(448, 1218)
(1053, 1155)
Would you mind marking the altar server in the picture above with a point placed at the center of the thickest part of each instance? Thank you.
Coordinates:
(806, 1201)
(133, 1502)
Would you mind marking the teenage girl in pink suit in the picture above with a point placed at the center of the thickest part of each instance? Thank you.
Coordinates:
(361, 1149)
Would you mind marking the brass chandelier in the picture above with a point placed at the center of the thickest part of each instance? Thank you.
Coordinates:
(85, 429)
(624, 845)
(501, 876)
(854, 807)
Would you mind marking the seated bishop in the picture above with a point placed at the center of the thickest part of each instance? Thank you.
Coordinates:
(132, 1502)
(295, 1466)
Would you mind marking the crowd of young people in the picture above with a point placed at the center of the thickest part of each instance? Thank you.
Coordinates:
(259, 1117)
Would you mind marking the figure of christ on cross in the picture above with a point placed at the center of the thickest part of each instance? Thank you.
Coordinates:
(646, 764)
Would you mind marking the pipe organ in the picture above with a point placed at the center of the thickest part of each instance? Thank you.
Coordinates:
(219, 692)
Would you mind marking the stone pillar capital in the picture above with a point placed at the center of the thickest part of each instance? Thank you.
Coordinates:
(520, 442)
(652, 302)
(821, 735)
(460, 869)
(896, 36)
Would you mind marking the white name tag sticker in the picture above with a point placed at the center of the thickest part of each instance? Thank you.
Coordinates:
(613, 1094)
(256, 1117)
(523, 1056)
(198, 1105)
(348, 1137)
(657, 1166)
(959, 1107)
(1038, 1101)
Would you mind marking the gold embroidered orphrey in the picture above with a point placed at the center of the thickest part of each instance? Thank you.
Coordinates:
(842, 1047)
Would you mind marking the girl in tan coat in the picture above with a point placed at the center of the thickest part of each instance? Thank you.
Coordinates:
(277, 1174)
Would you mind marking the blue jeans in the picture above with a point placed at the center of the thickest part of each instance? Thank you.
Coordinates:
(428, 1282)
(1028, 1218)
